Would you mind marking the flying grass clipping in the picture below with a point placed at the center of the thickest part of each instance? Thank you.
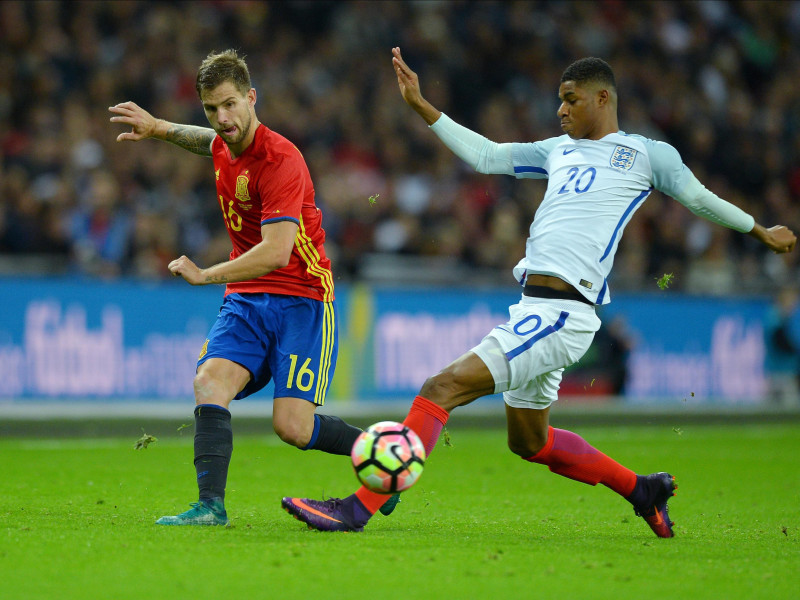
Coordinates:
(664, 281)
(144, 441)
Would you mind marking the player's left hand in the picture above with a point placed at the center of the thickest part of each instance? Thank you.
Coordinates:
(188, 270)
(780, 239)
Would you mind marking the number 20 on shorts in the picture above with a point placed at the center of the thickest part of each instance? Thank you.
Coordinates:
(305, 376)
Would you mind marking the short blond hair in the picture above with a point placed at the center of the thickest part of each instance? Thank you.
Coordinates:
(219, 67)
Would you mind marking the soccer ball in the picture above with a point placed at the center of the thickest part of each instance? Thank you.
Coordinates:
(388, 457)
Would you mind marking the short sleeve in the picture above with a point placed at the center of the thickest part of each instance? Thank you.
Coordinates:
(282, 189)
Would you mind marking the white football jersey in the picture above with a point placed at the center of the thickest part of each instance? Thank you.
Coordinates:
(594, 187)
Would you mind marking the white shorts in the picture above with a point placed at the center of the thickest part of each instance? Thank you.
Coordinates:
(527, 355)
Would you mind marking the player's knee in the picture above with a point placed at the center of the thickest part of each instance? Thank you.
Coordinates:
(461, 382)
(438, 389)
(444, 389)
(434, 386)
(205, 388)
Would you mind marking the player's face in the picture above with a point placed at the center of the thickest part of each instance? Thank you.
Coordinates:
(230, 112)
(579, 110)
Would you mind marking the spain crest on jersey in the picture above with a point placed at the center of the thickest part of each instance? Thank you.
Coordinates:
(623, 157)
(242, 195)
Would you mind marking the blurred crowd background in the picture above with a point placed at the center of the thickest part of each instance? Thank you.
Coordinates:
(718, 80)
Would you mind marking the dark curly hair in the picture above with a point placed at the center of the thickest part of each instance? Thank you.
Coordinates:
(590, 69)
(219, 67)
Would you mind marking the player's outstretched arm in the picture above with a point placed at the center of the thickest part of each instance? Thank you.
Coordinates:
(481, 154)
(273, 252)
(779, 239)
(409, 88)
(144, 125)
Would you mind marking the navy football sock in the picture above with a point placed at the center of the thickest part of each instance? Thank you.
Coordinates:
(332, 435)
(641, 492)
(213, 446)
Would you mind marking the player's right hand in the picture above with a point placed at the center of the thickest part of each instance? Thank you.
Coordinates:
(184, 267)
(409, 88)
(406, 79)
(143, 124)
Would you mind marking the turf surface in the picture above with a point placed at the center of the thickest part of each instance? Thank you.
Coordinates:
(77, 522)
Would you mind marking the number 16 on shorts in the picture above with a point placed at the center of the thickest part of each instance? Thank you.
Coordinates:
(304, 362)
(302, 378)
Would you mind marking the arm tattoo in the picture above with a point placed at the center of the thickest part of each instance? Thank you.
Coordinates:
(216, 279)
(191, 138)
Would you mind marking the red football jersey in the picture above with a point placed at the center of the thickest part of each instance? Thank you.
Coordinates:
(270, 182)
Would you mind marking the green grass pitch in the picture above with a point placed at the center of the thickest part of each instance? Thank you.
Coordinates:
(77, 519)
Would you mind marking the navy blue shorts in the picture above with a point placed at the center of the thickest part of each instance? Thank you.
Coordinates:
(289, 338)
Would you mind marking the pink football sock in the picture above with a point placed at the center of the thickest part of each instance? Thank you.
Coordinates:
(568, 454)
(426, 419)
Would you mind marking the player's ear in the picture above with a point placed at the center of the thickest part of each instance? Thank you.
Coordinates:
(603, 97)
(251, 96)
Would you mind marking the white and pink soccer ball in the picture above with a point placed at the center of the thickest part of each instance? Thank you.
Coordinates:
(388, 457)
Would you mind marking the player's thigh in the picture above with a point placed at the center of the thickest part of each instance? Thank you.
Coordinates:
(303, 359)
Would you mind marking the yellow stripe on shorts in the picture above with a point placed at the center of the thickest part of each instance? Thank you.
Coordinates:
(328, 337)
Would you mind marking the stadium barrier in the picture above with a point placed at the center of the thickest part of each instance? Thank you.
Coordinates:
(64, 341)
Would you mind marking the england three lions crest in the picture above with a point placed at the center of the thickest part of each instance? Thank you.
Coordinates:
(623, 158)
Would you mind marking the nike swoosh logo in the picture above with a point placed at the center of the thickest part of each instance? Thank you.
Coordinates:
(569, 151)
(658, 518)
(308, 508)
(395, 449)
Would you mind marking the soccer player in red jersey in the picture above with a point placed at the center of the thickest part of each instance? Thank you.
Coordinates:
(278, 319)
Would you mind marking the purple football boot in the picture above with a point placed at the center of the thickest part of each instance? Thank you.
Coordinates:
(661, 487)
(333, 514)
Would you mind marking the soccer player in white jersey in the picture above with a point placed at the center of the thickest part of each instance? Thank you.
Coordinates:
(597, 177)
